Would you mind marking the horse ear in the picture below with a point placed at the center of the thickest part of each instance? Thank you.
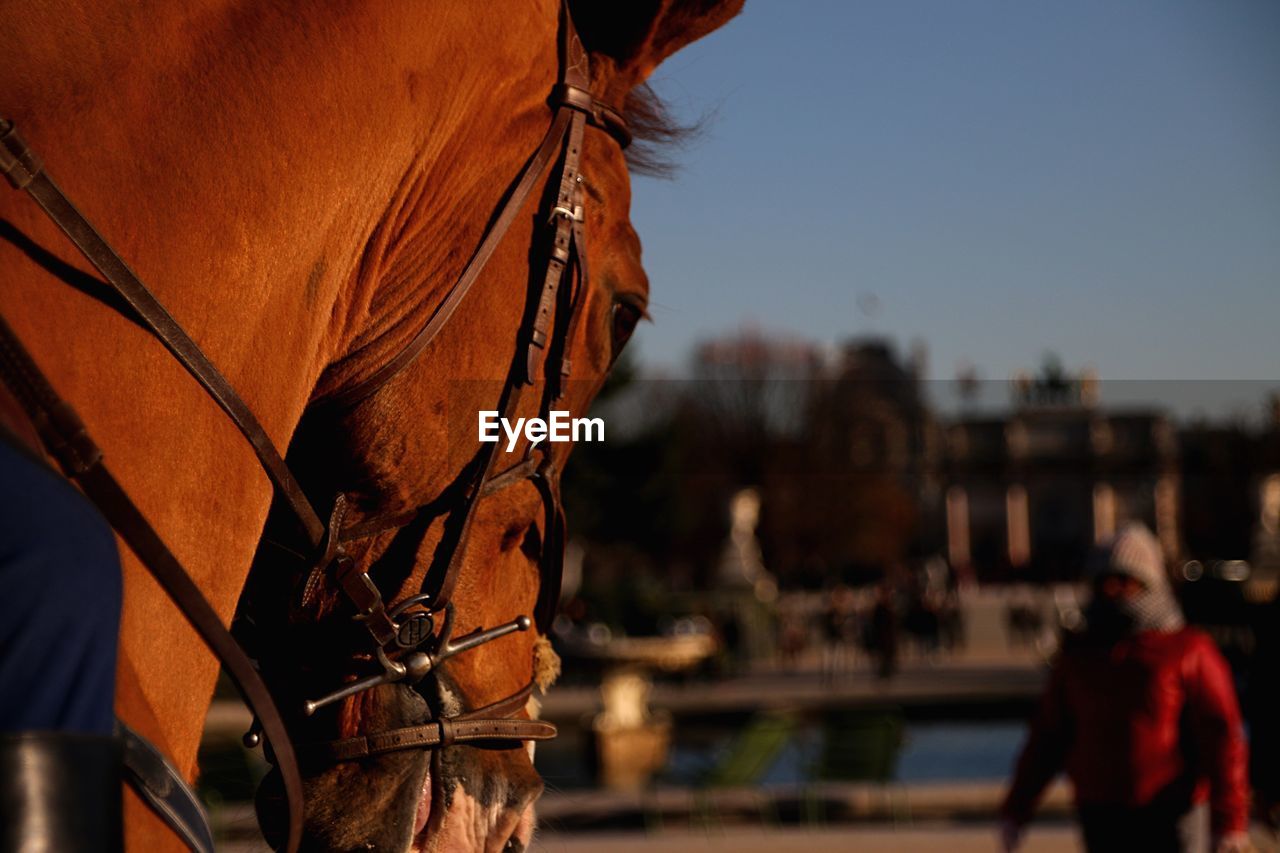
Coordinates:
(638, 34)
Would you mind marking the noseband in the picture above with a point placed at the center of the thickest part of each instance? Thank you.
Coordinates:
(413, 637)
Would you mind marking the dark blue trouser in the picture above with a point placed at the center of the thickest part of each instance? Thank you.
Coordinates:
(60, 596)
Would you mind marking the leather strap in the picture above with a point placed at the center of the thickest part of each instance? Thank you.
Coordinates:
(575, 303)
(65, 437)
(568, 209)
(572, 103)
(23, 169)
(517, 473)
(440, 585)
(384, 523)
(438, 734)
(570, 99)
(529, 178)
(552, 568)
(599, 114)
(490, 725)
(162, 787)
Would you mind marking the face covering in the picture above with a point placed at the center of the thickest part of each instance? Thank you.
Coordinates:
(1134, 553)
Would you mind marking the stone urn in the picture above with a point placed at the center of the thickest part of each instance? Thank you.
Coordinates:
(632, 741)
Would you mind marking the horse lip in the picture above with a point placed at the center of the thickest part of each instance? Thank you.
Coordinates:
(423, 814)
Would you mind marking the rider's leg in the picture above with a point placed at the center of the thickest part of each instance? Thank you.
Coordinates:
(60, 593)
(60, 596)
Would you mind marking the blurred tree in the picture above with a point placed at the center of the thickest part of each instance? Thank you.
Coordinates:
(835, 446)
(752, 391)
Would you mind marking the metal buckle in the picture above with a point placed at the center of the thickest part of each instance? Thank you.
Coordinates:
(19, 163)
(573, 214)
(418, 627)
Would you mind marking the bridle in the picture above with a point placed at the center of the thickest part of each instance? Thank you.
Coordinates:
(413, 637)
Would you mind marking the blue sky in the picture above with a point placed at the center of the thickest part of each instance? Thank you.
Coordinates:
(1099, 179)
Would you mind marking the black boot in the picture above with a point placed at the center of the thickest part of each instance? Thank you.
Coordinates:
(59, 791)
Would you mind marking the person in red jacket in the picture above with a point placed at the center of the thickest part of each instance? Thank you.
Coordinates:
(1141, 713)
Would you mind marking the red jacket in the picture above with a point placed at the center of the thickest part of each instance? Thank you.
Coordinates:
(1152, 716)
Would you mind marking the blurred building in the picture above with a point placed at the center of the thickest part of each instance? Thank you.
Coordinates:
(858, 477)
(1028, 494)
(1231, 496)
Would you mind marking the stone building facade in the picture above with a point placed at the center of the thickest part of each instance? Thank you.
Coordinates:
(1027, 495)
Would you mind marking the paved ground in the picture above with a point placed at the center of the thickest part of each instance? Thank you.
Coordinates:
(878, 839)
(816, 806)
(948, 838)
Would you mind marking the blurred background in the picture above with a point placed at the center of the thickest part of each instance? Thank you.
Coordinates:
(943, 295)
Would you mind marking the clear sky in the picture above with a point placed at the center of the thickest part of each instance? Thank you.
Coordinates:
(1096, 178)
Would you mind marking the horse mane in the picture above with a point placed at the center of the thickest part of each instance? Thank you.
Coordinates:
(656, 133)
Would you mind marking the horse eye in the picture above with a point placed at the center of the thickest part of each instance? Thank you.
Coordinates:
(625, 317)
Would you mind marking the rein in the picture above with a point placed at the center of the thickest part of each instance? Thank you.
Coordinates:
(406, 641)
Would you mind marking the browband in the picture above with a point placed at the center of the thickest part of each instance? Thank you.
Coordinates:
(599, 114)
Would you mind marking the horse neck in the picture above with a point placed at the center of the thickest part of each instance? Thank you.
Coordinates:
(192, 145)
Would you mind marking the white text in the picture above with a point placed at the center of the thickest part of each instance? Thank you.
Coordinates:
(558, 427)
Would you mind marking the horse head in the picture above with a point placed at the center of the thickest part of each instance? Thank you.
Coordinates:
(455, 536)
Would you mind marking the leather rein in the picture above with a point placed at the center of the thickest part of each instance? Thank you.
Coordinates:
(412, 637)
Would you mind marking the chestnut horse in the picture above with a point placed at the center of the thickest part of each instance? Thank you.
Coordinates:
(301, 185)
